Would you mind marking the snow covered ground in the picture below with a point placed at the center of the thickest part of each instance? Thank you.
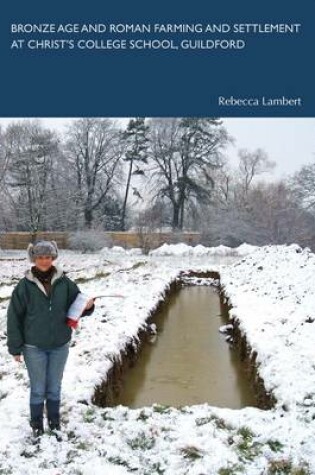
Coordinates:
(272, 293)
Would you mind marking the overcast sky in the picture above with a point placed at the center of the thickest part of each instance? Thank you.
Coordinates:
(288, 142)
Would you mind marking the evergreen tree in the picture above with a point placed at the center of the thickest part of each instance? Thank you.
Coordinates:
(201, 143)
(185, 152)
(136, 140)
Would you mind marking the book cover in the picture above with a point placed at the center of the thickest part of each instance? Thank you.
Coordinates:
(167, 148)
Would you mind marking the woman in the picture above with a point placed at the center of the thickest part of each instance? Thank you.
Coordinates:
(37, 329)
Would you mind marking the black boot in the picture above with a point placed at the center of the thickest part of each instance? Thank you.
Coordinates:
(37, 419)
(38, 428)
(53, 414)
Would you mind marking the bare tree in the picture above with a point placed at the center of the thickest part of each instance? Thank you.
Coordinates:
(275, 215)
(94, 150)
(271, 216)
(303, 185)
(29, 150)
(252, 164)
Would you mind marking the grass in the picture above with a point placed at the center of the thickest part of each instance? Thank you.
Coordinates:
(83, 445)
(286, 467)
(155, 468)
(137, 264)
(117, 460)
(220, 423)
(142, 416)
(191, 452)
(72, 455)
(247, 448)
(107, 417)
(89, 415)
(246, 433)
(98, 275)
(142, 442)
(161, 408)
(203, 420)
(233, 470)
(275, 445)
(184, 409)
(31, 451)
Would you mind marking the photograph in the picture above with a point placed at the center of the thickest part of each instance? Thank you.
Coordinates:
(157, 297)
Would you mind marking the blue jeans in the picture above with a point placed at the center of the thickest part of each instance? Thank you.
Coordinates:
(45, 369)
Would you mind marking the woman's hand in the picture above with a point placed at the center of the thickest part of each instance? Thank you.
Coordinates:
(18, 358)
(89, 304)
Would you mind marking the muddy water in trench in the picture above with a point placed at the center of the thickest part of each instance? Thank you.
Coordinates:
(190, 361)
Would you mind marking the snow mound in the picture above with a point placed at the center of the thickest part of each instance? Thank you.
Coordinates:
(118, 250)
(135, 251)
(171, 250)
(182, 249)
(272, 295)
(245, 248)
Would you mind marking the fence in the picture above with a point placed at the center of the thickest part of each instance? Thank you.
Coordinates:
(20, 240)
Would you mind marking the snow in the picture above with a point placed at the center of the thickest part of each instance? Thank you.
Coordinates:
(182, 249)
(172, 249)
(275, 285)
(118, 249)
(245, 248)
(226, 328)
(272, 295)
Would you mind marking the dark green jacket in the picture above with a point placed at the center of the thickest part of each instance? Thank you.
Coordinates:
(39, 319)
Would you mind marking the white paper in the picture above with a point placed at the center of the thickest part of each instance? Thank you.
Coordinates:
(77, 307)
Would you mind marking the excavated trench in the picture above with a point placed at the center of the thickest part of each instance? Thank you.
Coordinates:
(241, 387)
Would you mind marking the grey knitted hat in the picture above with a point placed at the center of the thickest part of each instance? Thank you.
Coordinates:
(42, 248)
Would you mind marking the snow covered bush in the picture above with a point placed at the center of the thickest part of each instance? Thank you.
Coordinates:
(92, 240)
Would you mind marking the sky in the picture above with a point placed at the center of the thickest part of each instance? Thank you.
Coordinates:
(290, 142)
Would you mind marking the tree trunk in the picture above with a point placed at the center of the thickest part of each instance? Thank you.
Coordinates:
(88, 213)
(123, 213)
(175, 222)
(181, 223)
(88, 216)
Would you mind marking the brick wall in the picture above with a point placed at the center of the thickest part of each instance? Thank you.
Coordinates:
(20, 240)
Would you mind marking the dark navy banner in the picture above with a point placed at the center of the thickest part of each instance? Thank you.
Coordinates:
(165, 58)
